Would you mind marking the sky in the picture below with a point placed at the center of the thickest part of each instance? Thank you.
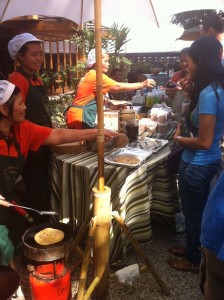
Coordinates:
(156, 39)
(147, 37)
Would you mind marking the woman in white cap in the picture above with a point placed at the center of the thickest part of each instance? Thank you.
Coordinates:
(17, 137)
(81, 114)
(27, 51)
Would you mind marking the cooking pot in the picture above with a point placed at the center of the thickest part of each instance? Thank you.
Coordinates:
(41, 253)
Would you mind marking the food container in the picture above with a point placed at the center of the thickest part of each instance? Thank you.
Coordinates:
(152, 144)
(128, 157)
(154, 113)
(147, 125)
(163, 116)
(131, 128)
(111, 120)
(125, 115)
(163, 127)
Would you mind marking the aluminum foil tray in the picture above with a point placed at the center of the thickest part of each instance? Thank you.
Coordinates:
(128, 157)
(152, 144)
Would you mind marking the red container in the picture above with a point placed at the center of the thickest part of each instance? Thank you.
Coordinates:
(50, 277)
(50, 281)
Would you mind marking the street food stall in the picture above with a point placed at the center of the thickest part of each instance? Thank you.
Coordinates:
(137, 189)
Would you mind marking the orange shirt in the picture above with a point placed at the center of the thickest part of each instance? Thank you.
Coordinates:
(22, 83)
(87, 87)
(30, 137)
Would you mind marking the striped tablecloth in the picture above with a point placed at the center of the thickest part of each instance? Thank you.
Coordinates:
(134, 194)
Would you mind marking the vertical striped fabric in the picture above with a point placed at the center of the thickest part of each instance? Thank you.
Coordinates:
(135, 193)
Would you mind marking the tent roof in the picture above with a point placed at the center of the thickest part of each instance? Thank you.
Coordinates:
(38, 25)
(191, 34)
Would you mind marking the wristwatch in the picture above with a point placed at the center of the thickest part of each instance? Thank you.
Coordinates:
(177, 140)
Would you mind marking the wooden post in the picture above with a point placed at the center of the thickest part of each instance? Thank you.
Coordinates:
(58, 57)
(141, 253)
(50, 50)
(70, 54)
(101, 245)
(91, 288)
(85, 263)
(44, 62)
(64, 55)
(82, 229)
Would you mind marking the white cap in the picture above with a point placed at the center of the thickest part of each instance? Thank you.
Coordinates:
(91, 60)
(16, 43)
(6, 90)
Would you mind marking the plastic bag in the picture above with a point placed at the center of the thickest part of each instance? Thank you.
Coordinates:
(173, 160)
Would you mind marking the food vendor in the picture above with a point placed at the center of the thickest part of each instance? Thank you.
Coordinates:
(82, 113)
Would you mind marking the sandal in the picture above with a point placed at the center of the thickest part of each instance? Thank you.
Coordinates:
(178, 251)
(182, 264)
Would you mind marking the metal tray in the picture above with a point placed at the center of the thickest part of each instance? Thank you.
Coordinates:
(152, 144)
(137, 155)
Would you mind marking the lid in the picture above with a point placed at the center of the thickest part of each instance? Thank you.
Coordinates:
(127, 111)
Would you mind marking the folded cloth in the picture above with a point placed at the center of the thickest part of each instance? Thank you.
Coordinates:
(128, 274)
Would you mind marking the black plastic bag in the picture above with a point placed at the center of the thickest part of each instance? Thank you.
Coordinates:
(173, 160)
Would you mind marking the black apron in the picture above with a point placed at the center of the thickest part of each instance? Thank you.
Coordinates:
(10, 169)
(36, 171)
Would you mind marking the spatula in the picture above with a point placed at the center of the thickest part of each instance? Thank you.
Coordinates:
(37, 211)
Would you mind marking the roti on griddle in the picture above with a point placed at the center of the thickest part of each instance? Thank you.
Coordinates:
(49, 236)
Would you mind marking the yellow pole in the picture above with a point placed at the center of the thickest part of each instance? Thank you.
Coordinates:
(101, 203)
(99, 87)
(101, 245)
(86, 259)
(91, 288)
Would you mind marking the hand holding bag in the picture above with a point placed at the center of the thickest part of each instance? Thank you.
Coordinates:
(174, 157)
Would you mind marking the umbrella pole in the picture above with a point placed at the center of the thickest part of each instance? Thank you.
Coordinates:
(101, 245)
(101, 201)
(99, 88)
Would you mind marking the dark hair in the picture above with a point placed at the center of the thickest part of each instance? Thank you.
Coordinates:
(132, 77)
(115, 71)
(184, 50)
(24, 48)
(202, 77)
(213, 21)
(11, 101)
